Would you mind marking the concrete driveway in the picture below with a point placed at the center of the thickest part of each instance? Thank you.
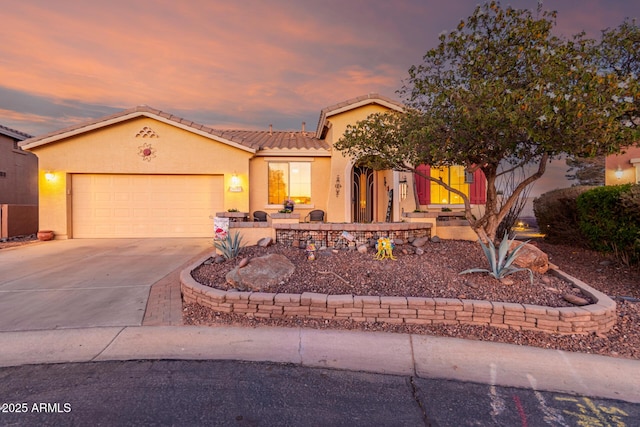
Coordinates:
(85, 282)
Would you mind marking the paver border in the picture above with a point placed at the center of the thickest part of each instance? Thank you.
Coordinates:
(594, 318)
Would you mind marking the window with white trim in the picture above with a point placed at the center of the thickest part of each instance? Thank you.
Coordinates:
(289, 181)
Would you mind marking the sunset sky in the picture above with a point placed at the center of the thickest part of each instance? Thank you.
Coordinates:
(227, 64)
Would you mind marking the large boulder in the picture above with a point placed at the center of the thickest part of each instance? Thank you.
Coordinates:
(260, 273)
(530, 257)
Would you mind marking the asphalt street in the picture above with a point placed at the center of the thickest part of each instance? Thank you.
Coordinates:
(232, 393)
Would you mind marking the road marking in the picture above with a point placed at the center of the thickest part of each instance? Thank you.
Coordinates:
(591, 415)
(497, 403)
(551, 415)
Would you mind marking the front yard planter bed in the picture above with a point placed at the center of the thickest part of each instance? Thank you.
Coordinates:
(598, 317)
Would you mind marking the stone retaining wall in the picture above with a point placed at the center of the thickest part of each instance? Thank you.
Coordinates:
(598, 317)
(330, 234)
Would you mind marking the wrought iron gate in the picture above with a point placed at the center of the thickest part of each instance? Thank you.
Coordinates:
(362, 194)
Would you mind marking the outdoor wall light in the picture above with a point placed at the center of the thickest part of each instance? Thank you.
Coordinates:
(403, 188)
(338, 186)
(49, 176)
(235, 186)
(618, 173)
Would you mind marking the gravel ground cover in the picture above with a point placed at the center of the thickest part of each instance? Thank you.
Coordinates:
(435, 274)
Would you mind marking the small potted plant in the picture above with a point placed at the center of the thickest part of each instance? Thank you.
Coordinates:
(288, 205)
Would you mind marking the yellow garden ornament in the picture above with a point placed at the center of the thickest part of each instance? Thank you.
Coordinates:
(385, 249)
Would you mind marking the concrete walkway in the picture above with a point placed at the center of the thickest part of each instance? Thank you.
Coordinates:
(53, 309)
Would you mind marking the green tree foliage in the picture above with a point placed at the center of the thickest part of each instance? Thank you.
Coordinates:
(501, 88)
(619, 53)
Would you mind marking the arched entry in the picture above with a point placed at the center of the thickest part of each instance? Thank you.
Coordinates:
(362, 194)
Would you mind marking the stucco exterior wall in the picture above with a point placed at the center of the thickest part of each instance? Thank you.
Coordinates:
(320, 185)
(629, 164)
(340, 207)
(116, 149)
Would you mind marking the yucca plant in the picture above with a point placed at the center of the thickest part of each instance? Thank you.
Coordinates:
(500, 262)
(230, 246)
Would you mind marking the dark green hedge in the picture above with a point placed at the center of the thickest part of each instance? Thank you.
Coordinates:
(609, 219)
(557, 215)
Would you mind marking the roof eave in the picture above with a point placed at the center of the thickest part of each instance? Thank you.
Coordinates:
(124, 117)
(353, 104)
(293, 152)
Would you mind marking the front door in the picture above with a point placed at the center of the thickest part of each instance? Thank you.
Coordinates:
(362, 201)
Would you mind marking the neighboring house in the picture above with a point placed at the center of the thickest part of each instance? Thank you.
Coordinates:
(18, 170)
(146, 173)
(18, 186)
(623, 168)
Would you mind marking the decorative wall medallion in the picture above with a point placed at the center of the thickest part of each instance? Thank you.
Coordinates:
(146, 132)
(146, 151)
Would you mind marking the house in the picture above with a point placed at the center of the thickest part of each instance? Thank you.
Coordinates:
(18, 170)
(147, 173)
(623, 168)
(18, 185)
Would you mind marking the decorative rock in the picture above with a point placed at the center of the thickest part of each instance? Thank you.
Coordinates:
(243, 262)
(530, 257)
(208, 261)
(265, 242)
(419, 251)
(506, 281)
(472, 285)
(398, 241)
(546, 280)
(420, 242)
(363, 249)
(574, 299)
(261, 273)
(219, 259)
(435, 239)
(335, 251)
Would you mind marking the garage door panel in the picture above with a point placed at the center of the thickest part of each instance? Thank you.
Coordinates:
(145, 205)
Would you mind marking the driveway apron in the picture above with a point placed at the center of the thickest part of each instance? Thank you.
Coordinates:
(85, 282)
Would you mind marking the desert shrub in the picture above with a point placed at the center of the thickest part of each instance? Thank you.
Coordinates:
(557, 215)
(229, 247)
(609, 218)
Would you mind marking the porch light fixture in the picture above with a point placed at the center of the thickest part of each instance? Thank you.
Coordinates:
(338, 186)
(618, 173)
(49, 176)
(235, 186)
(403, 188)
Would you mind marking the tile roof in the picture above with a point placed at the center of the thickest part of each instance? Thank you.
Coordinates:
(372, 98)
(265, 139)
(252, 140)
(15, 134)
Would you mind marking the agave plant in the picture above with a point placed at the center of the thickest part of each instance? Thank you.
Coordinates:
(230, 246)
(500, 262)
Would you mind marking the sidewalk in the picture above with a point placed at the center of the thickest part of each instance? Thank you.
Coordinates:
(387, 353)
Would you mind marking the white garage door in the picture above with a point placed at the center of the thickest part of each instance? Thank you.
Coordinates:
(145, 205)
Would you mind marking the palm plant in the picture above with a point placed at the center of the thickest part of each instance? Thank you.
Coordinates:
(500, 261)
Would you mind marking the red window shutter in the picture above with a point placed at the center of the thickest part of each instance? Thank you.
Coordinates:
(478, 189)
(423, 185)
